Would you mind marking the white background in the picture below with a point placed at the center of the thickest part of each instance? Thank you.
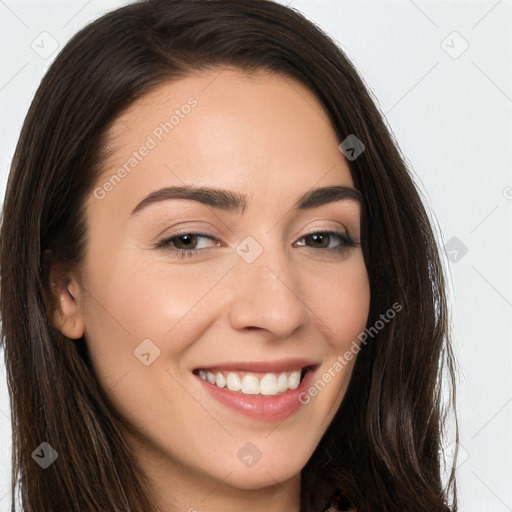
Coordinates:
(452, 118)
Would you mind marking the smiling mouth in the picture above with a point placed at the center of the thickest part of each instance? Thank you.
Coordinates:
(254, 383)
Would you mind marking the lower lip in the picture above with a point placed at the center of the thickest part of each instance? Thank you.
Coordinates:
(265, 408)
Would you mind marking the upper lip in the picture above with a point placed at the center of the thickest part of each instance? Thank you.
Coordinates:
(281, 365)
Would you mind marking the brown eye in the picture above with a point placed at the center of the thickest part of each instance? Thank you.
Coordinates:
(326, 239)
(184, 244)
(187, 241)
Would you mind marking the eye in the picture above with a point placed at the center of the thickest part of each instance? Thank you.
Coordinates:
(183, 244)
(325, 239)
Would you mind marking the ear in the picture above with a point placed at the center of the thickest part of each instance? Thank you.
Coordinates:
(63, 299)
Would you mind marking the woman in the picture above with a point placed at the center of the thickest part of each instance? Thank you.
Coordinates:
(220, 289)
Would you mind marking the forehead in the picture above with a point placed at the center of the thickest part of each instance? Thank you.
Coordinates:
(227, 89)
(258, 132)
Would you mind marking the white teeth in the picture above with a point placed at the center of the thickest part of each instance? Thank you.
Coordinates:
(232, 382)
(250, 385)
(220, 380)
(268, 384)
(294, 379)
(282, 383)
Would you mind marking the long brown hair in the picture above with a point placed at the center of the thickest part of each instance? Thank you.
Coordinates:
(383, 448)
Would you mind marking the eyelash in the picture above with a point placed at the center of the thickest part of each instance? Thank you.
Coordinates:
(165, 243)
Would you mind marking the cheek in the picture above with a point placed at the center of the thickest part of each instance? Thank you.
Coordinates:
(340, 305)
(340, 301)
(129, 301)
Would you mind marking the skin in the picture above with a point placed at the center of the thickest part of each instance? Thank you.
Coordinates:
(266, 137)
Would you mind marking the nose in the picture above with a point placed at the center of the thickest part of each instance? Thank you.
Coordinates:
(266, 295)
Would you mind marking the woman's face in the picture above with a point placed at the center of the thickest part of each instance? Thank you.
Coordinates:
(269, 292)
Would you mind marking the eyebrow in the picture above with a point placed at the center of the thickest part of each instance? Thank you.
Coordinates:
(236, 202)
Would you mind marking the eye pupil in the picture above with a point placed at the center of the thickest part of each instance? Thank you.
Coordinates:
(319, 237)
(189, 237)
